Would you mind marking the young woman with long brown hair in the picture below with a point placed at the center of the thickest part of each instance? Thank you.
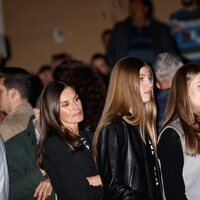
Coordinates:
(179, 140)
(125, 139)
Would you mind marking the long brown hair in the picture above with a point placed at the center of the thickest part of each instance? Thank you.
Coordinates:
(124, 95)
(50, 122)
(180, 105)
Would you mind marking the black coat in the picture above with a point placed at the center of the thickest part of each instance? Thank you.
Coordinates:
(124, 165)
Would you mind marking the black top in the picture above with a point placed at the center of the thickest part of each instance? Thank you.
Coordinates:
(125, 166)
(68, 171)
(170, 154)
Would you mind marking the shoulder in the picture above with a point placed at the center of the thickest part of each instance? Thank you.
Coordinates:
(118, 129)
(161, 26)
(173, 127)
(55, 150)
(15, 139)
(170, 145)
(169, 134)
(178, 14)
(23, 136)
(122, 24)
(54, 145)
(118, 123)
(112, 128)
(52, 141)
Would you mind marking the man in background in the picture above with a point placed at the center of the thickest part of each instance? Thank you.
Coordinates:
(15, 92)
(140, 35)
(27, 180)
(165, 66)
(185, 27)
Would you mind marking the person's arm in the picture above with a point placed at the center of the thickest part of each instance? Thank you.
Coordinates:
(110, 164)
(7, 131)
(25, 184)
(66, 177)
(23, 178)
(43, 190)
(94, 180)
(170, 154)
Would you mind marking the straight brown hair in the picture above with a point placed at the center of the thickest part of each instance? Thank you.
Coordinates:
(180, 106)
(124, 95)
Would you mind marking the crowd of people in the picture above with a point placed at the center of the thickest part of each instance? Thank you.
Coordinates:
(126, 126)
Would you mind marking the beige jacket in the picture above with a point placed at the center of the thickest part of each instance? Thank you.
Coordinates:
(16, 121)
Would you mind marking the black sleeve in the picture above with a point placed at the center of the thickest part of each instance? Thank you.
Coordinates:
(110, 164)
(65, 175)
(170, 154)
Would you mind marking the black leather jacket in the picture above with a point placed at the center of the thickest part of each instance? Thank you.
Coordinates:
(124, 165)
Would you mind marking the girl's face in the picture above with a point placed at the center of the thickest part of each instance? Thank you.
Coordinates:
(146, 84)
(71, 112)
(194, 91)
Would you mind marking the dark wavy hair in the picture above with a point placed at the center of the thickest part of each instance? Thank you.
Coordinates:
(91, 89)
(50, 122)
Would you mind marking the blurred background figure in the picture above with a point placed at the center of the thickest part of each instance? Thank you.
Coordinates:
(58, 58)
(99, 63)
(185, 26)
(61, 70)
(105, 38)
(165, 66)
(36, 87)
(3, 50)
(140, 35)
(16, 92)
(45, 74)
(90, 88)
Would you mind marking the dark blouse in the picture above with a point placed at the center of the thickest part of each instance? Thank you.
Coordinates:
(68, 171)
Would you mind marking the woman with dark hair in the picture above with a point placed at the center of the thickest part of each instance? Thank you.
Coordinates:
(125, 139)
(91, 89)
(63, 151)
(179, 140)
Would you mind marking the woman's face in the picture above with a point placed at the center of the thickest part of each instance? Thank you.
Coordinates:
(194, 91)
(71, 112)
(146, 84)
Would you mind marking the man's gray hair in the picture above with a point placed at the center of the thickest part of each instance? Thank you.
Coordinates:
(165, 66)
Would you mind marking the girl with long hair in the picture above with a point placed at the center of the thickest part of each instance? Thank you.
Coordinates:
(125, 139)
(179, 140)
